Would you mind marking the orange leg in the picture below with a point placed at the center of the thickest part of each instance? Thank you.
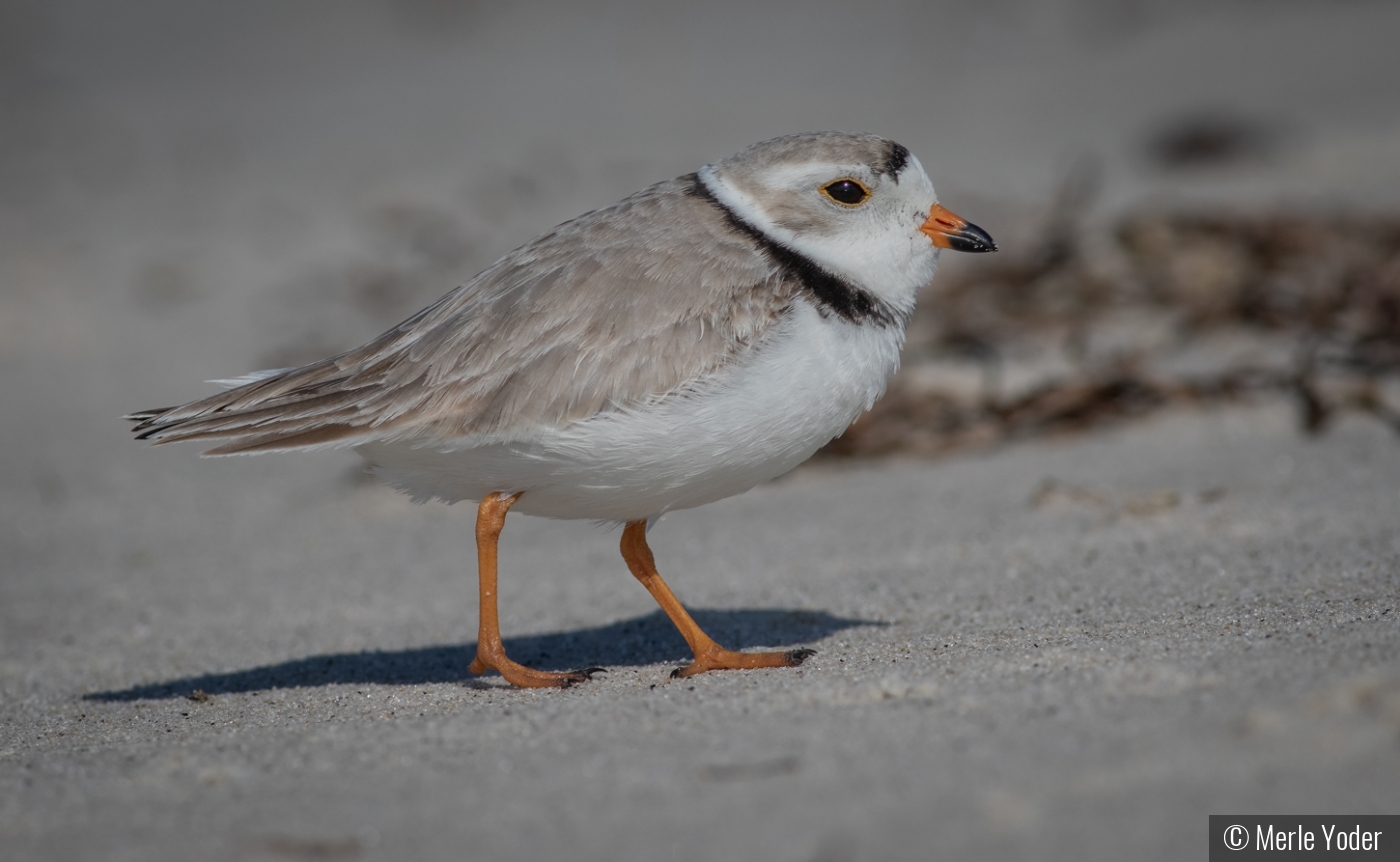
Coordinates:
(490, 653)
(708, 654)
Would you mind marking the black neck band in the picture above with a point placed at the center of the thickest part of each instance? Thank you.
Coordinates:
(833, 294)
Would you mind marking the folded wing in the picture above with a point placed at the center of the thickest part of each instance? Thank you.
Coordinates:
(616, 307)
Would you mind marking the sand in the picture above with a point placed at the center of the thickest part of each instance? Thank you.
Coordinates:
(1070, 648)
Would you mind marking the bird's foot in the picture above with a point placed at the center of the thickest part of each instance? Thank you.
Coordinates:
(526, 677)
(718, 658)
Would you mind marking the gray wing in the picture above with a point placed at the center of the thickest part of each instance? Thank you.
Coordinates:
(611, 309)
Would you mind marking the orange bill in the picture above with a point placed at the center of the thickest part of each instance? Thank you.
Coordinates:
(955, 232)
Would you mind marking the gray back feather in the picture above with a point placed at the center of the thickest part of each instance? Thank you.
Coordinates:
(613, 308)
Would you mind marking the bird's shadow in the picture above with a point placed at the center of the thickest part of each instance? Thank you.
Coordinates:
(638, 641)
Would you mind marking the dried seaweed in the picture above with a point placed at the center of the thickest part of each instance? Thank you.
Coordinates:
(1082, 328)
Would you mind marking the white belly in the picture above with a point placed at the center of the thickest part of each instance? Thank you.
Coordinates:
(804, 384)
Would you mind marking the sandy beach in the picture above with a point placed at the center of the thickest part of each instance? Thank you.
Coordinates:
(1071, 647)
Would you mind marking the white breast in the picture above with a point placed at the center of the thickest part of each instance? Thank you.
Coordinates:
(804, 384)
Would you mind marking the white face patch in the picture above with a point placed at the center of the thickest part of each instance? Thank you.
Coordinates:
(876, 246)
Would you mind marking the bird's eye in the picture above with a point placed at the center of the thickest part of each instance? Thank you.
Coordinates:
(846, 192)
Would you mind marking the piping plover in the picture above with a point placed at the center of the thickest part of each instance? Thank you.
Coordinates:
(700, 337)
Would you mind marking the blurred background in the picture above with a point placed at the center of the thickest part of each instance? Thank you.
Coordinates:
(193, 190)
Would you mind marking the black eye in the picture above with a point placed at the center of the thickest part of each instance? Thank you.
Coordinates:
(848, 192)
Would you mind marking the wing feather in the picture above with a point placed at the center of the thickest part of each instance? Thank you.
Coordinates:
(613, 308)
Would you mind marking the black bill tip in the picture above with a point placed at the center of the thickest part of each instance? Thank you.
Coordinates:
(970, 237)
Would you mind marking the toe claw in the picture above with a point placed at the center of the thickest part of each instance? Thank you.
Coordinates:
(574, 677)
(798, 656)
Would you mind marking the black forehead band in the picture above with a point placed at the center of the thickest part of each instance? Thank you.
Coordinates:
(895, 161)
